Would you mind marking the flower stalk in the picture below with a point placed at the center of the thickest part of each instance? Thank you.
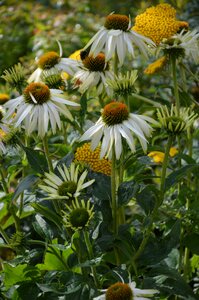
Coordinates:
(91, 256)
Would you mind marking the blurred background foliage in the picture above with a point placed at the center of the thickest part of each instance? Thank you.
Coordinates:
(29, 28)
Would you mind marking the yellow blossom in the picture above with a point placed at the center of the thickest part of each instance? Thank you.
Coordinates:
(158, 156)
(173, 151)
(156, 66)
(85, 155)
(4, 98)
(158, 22)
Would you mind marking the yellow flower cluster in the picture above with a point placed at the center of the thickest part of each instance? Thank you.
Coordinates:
(158, 156)
(158, 22)
(156, 66)
(85, 155)
(4, 98)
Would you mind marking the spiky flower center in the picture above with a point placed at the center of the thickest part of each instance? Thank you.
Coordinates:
(79, 217)
(119, 291)
(39, 91)
(67, 187)
(95, 64)
(116, 21)
(115, 113)
(48, 60)
(175, 124)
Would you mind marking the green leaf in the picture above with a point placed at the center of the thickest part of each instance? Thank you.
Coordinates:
(191, 241)
(37, 160)
(42, 228)
(147, 198)
(127, 190)
(28, 290)
(48, 214)
(16, 274)
(176, 176)
(25, 184)
(171, 282)
(158, 249)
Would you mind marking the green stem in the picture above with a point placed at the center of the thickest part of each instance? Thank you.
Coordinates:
(158, 203)
(46, 150)
(147, 234)
(164, 167)
(91, 256)
(113, 191)
(15, 217)
(175, 84)
(3, 181)
(4, 235)
(142, 98)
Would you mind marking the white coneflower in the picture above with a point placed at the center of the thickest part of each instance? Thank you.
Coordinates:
(183, 44)
(116, 123)
(93, 73)
(36, 107)
(116, 36)
(124, 291)
(68, 185)
(53, 61)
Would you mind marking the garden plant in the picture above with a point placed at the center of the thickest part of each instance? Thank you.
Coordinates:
(99, 168)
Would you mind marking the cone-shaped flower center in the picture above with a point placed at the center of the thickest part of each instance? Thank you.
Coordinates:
(115, 21)
(95, 64)
(79, 217)
(115, 113)
(48, 60)
(39, 91)
(119, 291)
(67, 187)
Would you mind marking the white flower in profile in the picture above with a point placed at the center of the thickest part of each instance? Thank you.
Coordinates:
(36, 107)
(116, 36)
(184, 44)
(125, 291)
(52, 61)
(68, 185)
(93, 73)
(116, 123)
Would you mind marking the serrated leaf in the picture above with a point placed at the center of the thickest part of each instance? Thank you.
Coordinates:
(147, 198)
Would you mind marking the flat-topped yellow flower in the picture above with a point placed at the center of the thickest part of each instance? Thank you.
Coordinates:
(87, 156)
(156, 66)
(158, 156)
(158, 22)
